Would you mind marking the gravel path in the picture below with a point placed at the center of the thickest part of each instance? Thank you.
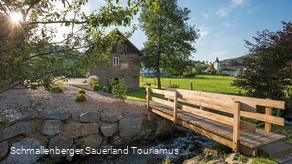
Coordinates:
(24, 99)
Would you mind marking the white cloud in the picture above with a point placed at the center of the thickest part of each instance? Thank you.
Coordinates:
(205, 15)
(226, 24)
(204, 31)
(238, 2)
(222, 13)
(218, 53)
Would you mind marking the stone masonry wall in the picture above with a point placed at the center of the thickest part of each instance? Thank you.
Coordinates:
(129, 68)
(51, 129)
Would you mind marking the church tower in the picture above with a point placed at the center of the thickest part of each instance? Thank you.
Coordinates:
(216, 64)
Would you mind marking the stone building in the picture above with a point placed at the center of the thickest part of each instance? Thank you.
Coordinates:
(124, 63)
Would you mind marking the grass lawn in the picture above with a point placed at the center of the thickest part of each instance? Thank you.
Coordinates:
(208, 83)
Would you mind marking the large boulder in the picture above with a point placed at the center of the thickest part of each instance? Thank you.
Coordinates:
(92, 141)
(52, 127)
(20, 157)
(16, 129)
(108, 129)
(13, 115)
(76, 129)
(58, 143)
(4, 149)
(91, 117)
(56, 115)
(131, 125)
(111, 117)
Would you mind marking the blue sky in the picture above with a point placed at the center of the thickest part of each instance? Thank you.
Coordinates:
(223, 24)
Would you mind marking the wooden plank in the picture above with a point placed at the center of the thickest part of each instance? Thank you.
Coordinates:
(175, 106)
(162, 114)
(248, 151)
(263, 117)
(148, 97)
(228, 104)
(248, 100)
(236, 127)
(219, 108)
(161, 101)
(208, 134)
(208, 115)
(248, 126)
(268, 126)
(163, 92)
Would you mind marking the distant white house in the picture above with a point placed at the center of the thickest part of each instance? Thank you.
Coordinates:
(149, 72)
(216, 64)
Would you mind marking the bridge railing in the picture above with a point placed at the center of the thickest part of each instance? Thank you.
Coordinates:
(229, 108)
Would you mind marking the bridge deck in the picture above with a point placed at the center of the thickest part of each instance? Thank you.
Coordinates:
(247, 138)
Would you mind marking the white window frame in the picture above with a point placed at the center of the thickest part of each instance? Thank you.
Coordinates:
(116, 61)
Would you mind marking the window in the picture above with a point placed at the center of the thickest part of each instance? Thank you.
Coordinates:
(116, 61)
(122, 48)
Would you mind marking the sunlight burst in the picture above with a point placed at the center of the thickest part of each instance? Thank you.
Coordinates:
(16, 17)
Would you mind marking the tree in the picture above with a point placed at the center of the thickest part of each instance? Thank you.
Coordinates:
(268, 66)
(198, 68)
(169, 37)
(220, 70)
(238, 72)
(30, 55)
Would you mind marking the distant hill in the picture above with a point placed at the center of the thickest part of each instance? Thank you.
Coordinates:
(237, 60)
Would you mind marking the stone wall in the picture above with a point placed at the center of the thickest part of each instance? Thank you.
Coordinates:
(128, 69)
(51, 129)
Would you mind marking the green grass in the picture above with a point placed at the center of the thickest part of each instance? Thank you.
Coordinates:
(260, 160)
(207, 83)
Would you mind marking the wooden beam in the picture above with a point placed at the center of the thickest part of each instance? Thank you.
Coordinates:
(208, 115)
(236, 127)
(268, 126)
(206, 133)
(263, 117)
(161, 101)
(248, 126)
(175, 106)
(163, 92)
(148, 97)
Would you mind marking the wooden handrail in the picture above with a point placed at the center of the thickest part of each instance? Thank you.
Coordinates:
(175, 106)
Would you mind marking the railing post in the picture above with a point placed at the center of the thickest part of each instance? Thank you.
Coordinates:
(148, 97)
(175, 104)
(268, 126)
(236, 126)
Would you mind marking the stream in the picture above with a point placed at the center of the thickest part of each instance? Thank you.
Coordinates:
(182, 145)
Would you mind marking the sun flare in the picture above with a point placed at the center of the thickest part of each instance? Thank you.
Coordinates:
(16, 17)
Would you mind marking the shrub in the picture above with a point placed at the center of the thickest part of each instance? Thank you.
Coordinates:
(80, 98)
(173, 86)
(56, 89)
(95, 86)
(105, 89)
(92, 79)
(120, 90)
(82, 91)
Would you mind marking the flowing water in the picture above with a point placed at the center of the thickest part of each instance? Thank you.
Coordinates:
(180, 146)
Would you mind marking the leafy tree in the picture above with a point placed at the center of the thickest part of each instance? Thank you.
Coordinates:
(220, 70)
(30, 56)
(199, 68)
(238, 72)
(268, 66)
(169, 37)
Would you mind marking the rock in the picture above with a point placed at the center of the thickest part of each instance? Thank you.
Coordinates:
(16, 129)
(52, 127)
(89, 117)
(51, 114)
(131, 125)
(60, 142)
(108, 129)
(92, 141)
(230, 158)
(69, 156)
(76, 130)
(4, 149)
(111, 117)
(25, 158)
(13, 116)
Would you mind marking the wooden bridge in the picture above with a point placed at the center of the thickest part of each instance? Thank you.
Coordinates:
(218, 116)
